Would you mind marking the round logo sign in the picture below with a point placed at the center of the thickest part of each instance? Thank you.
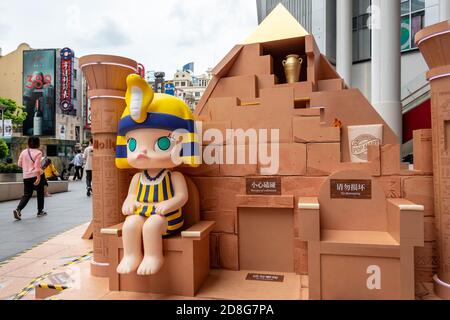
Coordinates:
(66, 105)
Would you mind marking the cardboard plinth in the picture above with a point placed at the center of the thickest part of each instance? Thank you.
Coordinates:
(99, 269)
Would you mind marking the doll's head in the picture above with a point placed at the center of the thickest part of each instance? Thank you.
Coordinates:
(155, 130)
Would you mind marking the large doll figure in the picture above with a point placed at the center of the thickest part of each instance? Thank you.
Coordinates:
(148, 140)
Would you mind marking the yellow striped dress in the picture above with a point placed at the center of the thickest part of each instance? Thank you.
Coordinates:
(156, 192)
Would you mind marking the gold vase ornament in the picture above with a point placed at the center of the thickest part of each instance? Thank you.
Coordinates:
(292, 67)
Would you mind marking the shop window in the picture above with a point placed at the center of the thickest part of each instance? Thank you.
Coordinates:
(361, 31)
(412, 21)
(52, 150)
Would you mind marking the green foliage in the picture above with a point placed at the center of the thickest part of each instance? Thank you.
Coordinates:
(10, 168)
(4, 151)
(13, 111)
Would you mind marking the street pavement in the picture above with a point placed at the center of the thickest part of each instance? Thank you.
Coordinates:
(65, 211)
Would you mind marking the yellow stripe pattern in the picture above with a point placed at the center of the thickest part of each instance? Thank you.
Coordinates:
(151, 194)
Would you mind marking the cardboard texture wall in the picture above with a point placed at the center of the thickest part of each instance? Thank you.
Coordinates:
(434, 43)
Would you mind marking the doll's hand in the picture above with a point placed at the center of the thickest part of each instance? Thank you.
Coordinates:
(129, 206)
(162, 208)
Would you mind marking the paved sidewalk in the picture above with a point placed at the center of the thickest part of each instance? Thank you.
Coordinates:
(65, 210)
(20, 272)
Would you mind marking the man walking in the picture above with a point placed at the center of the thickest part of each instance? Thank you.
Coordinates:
(78, 163)
(88, 153)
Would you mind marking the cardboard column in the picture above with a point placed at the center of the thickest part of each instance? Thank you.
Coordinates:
(106, 78)
(434, 43)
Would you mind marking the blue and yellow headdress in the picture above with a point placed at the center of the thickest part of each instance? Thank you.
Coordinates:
(146, 109)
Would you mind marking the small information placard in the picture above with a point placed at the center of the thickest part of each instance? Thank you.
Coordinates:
(350, 189)
(264, 277)
(263, 186)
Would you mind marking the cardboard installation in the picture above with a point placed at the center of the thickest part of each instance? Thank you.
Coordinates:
(290, 220)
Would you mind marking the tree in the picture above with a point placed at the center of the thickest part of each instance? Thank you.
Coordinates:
(4, 151)
(13, 111)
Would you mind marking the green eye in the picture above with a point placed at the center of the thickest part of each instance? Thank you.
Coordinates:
(132, 144)
(163, 144)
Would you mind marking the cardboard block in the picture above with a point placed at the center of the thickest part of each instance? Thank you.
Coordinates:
(390, 159)
(330, 85)
(214, 250)
(245, 161)
(243, 87)
(429, 228)
(225, 220)
(219, 126)
(322, 158)
(202, 170)
(426, 261)
(300, 88)
(265, 81)
(219, 193)
(228, 251)
(392, 186)
(301, 256)
(419, 190)
(422, 149)
(309, 129)
(301, 186)
(309, 112)
(373, 166)
(291, 159)
(251, 61)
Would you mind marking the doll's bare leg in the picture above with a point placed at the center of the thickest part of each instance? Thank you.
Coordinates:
(132, 244)
(152, 233)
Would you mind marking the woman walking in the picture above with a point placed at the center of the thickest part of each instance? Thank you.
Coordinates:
(30, 161)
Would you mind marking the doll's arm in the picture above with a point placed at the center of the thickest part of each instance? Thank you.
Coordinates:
(130, 203)
(179, 199)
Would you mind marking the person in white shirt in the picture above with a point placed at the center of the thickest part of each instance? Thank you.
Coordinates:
(88, 153)
(78, 163)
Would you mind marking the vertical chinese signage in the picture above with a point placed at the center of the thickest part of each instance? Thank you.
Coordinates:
(66, 85)
(87, 107)
(39, 92)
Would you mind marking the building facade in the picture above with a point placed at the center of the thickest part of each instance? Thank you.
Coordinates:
(347, 30)
(189, 87)
(34, 78)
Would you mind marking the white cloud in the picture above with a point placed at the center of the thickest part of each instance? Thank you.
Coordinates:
(163, 35)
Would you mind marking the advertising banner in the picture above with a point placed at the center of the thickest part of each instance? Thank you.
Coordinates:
(66, 80)
(39, 92)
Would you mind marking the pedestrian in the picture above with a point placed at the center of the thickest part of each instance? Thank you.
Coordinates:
(30, 162)
(78, 162)
(88, 154)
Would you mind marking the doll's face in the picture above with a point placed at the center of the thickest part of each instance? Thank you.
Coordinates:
(151, 148)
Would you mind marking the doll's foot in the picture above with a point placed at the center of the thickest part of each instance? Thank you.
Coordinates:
(150, 265)
(128, 264)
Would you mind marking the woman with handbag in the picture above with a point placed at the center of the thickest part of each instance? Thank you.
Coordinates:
(30, 162)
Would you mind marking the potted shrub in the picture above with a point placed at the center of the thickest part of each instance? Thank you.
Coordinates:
(10, 172)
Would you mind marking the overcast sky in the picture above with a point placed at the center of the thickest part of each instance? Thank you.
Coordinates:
(162, 34)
